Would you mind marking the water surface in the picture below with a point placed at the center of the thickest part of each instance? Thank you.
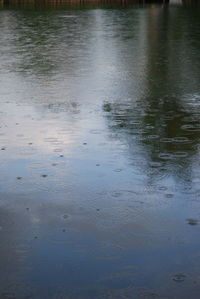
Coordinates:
(99, 149)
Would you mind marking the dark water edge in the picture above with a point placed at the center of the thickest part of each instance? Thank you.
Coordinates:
(86, 4)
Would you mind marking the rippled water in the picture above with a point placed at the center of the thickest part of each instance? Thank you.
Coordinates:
(99, 149)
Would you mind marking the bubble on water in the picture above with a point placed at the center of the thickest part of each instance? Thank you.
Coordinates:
(191, 127)
(179, 277)
(116, 194)
(155, 164)
(166, 140)
(192, 221)
(149, 127)
(162, 188)
(165, 156)
(118, 170)
(185, 127)
(181, 140)
(180, 154)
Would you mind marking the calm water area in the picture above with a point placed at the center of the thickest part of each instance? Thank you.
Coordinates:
(100, 151)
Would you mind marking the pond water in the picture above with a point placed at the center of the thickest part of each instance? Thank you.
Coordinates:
(100, 152)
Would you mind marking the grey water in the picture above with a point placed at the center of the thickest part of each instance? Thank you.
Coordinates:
(100, 152)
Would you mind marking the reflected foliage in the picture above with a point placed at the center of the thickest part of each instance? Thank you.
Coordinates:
(165, 122)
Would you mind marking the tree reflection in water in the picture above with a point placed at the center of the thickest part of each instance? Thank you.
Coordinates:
(165, 121)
